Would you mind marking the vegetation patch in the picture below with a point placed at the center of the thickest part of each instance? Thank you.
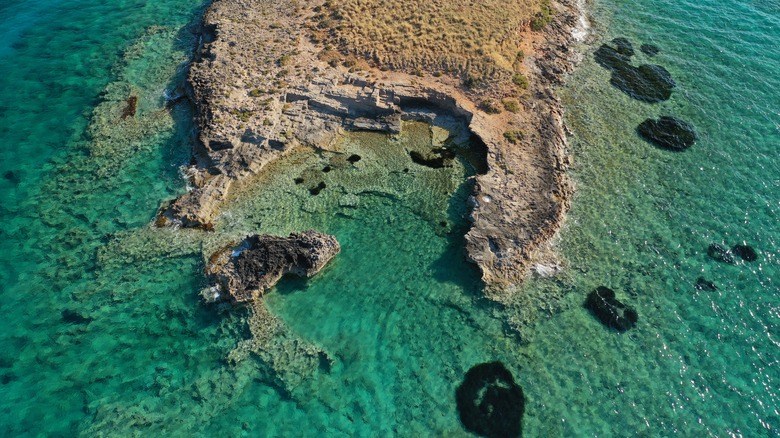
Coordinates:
(511, 105)
(514, 136)
(479, 39)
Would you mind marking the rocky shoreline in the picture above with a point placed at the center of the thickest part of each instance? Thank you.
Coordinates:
(260, 90)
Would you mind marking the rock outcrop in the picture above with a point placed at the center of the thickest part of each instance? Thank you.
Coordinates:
(260, 88)
(243, 272)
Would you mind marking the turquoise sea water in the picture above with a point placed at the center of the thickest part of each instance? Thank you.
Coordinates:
(398, 314)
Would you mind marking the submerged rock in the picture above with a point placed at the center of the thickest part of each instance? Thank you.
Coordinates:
(745, 252)
(648, 83)
(489, 401)
(13, 177)
(623, 46)
(704, 284)
(130, 107)
(73, 317)
(427, 160)
(354, 158)
(610, 58)
(242, 273)
(668, 133)
(611, 312)
(439, 157)
(718, 252)
(649, 49)
(314, 191)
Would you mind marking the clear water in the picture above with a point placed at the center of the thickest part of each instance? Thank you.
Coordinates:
(399, 313)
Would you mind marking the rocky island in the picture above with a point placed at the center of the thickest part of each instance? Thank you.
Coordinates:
(270, 76)
(243, 272)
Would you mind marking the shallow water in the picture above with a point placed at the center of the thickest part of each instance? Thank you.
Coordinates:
(398, 313)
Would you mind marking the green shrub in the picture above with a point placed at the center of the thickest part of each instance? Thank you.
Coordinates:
(470, 81)
(514, 136)
(543, 17)
(520, 80)
(511, 105)
(284, 60)
(490, 107)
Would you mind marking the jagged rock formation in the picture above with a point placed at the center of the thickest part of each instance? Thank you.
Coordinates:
(260, 89)
(243, 272)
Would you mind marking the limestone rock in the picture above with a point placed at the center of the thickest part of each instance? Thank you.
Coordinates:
(251, 109)
(243, 272)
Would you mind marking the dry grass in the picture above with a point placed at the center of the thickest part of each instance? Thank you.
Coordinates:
(476, 41)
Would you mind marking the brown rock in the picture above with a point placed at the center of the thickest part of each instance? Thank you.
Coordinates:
(243, 272)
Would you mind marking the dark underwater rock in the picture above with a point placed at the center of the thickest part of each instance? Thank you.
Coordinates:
(446, 153)
(354, 158)
(314, 191)
(130, 107)
(13, 177)
(243, 272)
(668, 133)
(649, 49)
(718, 252)
(611, 312)
(745, 252)
(623, 46)
(428, 161)
(327, 169)
(610, 58)
(704, 284)
(298, 180)
(440, 157)
(647, 83)
(489, 401)
(73, 317)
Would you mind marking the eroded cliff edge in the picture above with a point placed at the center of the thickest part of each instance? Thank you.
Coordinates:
(261, 87)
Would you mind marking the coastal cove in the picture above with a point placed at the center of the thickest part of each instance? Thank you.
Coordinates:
(106, 330)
